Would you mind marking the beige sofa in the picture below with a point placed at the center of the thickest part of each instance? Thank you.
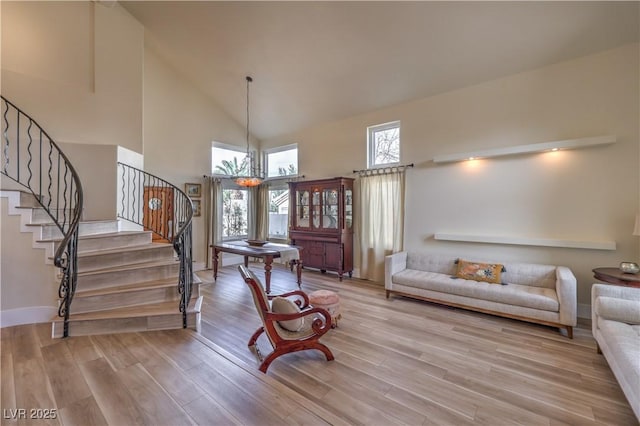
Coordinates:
(615, 321)
(543, 294)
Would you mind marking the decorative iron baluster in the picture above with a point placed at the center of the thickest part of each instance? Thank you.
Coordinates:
(49, 174)
(66, 254)
(29, 152)
(5, 133)
(18, 147)
(180, 234)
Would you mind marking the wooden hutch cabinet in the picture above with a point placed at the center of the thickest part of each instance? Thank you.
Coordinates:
(322, 223)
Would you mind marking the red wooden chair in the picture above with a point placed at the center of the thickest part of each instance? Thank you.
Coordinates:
(315, 322)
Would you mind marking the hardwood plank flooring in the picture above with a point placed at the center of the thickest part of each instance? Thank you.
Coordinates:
(398, 361)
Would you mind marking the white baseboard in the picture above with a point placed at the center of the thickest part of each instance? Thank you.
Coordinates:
(30, 315)
(584, 311)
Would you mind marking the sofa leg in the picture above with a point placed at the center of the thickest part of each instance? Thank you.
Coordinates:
(388, 292)
(598, 348)
(569, 332)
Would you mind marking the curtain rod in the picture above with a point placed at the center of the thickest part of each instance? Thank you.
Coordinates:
(383, 170)
(275, 178)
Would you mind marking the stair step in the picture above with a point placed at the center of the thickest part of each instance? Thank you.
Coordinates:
(27, 199)
(158, 316)
(50, 231)
(137, 294)
(130, 274)
(40, 216)
(133, 287)
(101, 259)
(108, 240)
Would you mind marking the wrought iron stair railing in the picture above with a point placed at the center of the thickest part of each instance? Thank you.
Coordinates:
(164, 209)
(32, 159)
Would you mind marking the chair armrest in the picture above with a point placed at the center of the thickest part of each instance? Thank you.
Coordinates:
(302, 304)
(566, 290)
(394, 263)
(319, 325)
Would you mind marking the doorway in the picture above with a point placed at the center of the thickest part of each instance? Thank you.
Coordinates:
(158, 212)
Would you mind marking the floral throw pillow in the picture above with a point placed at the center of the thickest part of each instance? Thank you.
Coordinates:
(487, 272)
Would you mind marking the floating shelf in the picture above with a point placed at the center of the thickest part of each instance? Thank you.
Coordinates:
(541, 242)
(525, 149)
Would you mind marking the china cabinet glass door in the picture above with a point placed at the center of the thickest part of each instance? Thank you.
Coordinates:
(330, 208)
(315, 206)
(302, 208)
(348, 208)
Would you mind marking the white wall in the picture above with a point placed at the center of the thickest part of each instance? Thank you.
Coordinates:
(76, 68)
(28, 288)
(96, 166)
(180, 123)
(587, 194)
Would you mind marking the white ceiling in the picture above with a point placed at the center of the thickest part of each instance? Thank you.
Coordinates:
(314, 62)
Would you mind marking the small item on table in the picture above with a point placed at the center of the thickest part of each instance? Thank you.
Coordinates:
(629, 267)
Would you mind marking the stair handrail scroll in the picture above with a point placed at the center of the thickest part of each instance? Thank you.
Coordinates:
(32, 159)
(166, 206)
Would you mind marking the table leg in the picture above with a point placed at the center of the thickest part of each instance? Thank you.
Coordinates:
(246, 261)
(299, 272)
(215, 264)
(268, 260)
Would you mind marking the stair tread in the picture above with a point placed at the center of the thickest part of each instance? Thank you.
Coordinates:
(130, 267)
(90, 222)
(146, 246)
(152, 309)
(167, 282)
(101, 235)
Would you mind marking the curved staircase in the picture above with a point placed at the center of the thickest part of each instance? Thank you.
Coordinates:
(126, 282)
(109, 281)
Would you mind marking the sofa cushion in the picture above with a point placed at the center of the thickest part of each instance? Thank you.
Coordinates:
(512, 294)
(613, 308)
(530, 274)
(433, 263)
(625, 339)
(486, 272)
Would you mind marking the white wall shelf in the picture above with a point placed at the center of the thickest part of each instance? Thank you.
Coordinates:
(541, 242)
(526, 149)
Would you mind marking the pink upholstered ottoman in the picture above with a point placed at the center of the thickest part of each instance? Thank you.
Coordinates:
(328, 300)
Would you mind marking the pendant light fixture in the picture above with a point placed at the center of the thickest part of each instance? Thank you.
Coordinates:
(254, 178)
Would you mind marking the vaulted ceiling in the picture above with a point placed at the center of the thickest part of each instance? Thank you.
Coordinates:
(314, 62)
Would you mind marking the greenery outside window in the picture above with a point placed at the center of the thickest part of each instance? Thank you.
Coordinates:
(281, 161)
(279, 212)
(235, 219)
(228, 160)
(383, 145)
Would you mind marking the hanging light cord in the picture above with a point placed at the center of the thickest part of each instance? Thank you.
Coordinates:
(249, 80)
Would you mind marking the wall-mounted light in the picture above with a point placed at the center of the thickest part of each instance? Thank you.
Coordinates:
(527, 149)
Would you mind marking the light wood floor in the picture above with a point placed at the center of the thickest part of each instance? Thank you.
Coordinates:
(398, 361)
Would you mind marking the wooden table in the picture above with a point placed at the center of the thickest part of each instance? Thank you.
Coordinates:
(267, 253)
(617, 277)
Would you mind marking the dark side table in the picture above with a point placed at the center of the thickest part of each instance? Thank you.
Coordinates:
(617, 277)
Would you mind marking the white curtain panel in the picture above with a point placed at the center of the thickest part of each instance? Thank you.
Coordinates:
(259, 212)
(380, 221)
(212, 210)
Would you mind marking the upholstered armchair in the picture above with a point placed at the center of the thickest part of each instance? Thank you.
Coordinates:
(288, 320)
